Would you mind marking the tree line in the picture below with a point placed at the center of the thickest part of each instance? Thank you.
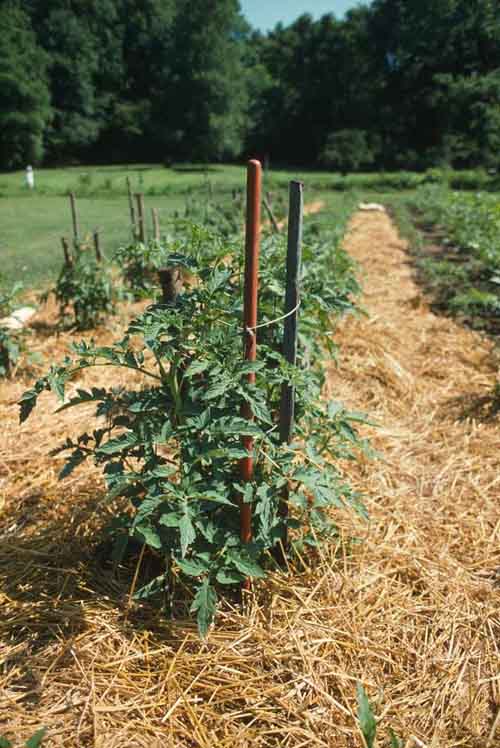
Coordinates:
(395, 84)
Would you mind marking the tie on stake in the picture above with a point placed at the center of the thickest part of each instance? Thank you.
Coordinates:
(252, 248)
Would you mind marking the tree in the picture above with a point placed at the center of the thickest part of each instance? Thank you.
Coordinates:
(24, 99)
(416, 43)
(348, 150)
(199, 114)
(83, 41)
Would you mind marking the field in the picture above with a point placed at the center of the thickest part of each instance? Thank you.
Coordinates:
(405, 604)
(33, 223)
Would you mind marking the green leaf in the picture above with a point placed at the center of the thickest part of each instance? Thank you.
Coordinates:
(125, 441)
(193, 567)
(36, 740)
(150, 589)
(247, 566)
(366, 717)
(204, 605)
(216, 390)
(196, 367)
(187, 531)
(229, 576)
(151, 537)
(73, 462)
(4, 743)
(26, 405)
(395, 741)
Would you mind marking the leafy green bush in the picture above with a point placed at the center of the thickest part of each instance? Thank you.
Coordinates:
(170, 450)
(84, 290)
(348, 150)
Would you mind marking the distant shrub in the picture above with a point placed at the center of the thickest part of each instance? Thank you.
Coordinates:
(348, 150)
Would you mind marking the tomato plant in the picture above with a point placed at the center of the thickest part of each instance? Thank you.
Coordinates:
(170, 449)
(84, 290)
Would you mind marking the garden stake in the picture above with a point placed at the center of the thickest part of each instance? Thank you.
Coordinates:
(269, 210)
(252, 246)
(171, 284)
(156, 223)
(131, 208)
(97, 245)
(292, 297)
(140, 217)
(76, 231)
(67, 254)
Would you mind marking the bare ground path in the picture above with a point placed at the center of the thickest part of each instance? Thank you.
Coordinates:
(412, 611)
(432, 558)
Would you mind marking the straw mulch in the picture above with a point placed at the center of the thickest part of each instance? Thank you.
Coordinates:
(411, 611)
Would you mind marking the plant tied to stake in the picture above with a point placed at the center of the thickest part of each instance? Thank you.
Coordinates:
(171, 442)
(84, 289)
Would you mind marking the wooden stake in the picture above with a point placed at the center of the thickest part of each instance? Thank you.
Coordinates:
(156, 224)
(74, 216)
(141, 229)
(270, 213)
(97, 245)
(252, 248)
(292, 296)
(131, 208)
(67, 254)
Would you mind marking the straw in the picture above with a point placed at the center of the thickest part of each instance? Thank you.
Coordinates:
(411, 609)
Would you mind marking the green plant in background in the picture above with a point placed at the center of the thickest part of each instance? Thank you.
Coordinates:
(466, 276)
(138, 263)
(84, 290)
(11, 340)
(34, 742)
(170, 449)
(368, 723)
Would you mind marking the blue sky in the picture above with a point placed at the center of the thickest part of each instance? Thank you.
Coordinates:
(265, 14)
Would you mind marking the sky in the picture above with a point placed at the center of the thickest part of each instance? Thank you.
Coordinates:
(265, 14)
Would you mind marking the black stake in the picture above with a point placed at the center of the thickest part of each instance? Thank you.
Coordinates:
(74, 216)
(140, 217)
(131, 208)
(97, 246)
(293, 263)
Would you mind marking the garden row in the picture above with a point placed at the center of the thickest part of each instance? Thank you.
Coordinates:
(173, 439)
(464, 274)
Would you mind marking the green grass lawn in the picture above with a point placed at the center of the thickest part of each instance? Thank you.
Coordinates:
(32, 223)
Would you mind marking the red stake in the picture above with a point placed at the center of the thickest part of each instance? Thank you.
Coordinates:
(252, 247)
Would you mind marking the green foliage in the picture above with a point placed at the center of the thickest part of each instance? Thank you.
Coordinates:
(138, 263)
(348, 150)
(466, 277)
(169, 79)
(34, 742)
(84, 290)
(366, 717)
(24, 98)
(368, 723)
(170, 449)
(11, 341)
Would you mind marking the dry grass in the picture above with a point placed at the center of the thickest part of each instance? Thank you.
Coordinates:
(412, 611)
